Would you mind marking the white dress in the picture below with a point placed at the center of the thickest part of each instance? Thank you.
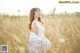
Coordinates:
(38, 43)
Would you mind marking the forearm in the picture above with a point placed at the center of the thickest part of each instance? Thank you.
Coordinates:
(36, 32)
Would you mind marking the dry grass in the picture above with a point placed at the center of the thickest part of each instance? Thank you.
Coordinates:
(63, 32)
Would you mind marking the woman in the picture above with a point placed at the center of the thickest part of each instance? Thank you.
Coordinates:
(38, 43)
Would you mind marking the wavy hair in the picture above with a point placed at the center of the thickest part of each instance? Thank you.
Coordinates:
(31, 18)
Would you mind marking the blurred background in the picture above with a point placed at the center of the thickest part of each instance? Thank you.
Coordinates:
(61, 20)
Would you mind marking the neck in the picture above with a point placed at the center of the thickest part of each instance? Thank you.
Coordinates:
(36, 19)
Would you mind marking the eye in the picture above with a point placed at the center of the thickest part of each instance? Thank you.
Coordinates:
(37, 11)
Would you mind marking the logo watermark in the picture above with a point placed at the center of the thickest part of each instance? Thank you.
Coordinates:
(69, 2)
(4, 48)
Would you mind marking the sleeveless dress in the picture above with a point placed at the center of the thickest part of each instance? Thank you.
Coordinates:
(38, 43)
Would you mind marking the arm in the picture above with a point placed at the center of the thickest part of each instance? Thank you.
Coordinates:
(34, 27)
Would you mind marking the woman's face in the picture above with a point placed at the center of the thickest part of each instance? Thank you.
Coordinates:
(37, 14)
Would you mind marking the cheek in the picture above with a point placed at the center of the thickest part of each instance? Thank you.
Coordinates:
(37, 14)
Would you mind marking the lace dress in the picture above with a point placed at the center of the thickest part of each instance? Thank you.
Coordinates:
(38, 43)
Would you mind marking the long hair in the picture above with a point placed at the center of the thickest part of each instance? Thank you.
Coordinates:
(31, 18)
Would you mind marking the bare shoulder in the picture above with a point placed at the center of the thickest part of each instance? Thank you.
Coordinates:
(34, 22)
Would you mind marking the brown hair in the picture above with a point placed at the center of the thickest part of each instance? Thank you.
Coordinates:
(31, 18)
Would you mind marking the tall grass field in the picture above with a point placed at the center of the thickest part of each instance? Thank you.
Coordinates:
(62, 30)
